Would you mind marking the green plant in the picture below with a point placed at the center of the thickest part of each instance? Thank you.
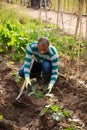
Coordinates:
(18, 79)
(38, 94)
(13, 38)
(73, 127)
(9, 63)
(44, 110)
(66, 113)
(1, 117)
(56, 110)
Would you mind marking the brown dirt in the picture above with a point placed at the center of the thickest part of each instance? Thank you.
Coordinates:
(26, 117)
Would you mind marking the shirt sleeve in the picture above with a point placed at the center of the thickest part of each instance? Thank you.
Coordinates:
(54, 61)
(27, 62)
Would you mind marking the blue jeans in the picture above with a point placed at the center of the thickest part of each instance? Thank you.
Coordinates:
(44, 67)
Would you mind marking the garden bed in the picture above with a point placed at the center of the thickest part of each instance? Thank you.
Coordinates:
(16, 117)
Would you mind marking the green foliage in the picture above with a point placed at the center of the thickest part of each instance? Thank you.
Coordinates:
(55, 108)
(73, 127)
(58, 116)
(66, 113)
(69, 128)
(17, 30)
(10, 63)
(8, 14)
(38, 94)
(43, 111)
(67, 46)
(1, 117)
(18, 79)
(56, 111)
(12, 37)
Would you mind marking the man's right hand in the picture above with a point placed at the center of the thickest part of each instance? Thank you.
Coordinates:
(28, 82)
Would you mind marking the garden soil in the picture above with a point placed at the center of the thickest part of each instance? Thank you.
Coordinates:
(26, 117)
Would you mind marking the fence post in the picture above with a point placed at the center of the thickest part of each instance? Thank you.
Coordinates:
(86, 18)
(79, 17)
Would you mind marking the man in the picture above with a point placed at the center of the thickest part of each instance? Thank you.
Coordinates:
(45, 62)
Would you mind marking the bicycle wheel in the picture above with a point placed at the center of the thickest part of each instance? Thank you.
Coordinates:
(36, 4)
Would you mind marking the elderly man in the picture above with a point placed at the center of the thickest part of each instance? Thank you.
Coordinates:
(45, 62)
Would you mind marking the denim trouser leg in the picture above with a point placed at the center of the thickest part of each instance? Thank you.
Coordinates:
(35, 71)
(45, 67)
(21, 71)
(46, 71)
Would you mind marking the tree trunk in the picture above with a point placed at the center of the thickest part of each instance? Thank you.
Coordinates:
(79, 17)
(86, 18)
(59, 13)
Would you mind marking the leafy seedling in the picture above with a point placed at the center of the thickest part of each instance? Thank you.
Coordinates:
(9, 63)
(44, 110)
(1, 117)
(66, 113)
(18, 79)
(58, 116)
(38, 94)
(55, 108)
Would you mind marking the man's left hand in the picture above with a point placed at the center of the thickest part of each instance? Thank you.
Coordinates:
(50, 87)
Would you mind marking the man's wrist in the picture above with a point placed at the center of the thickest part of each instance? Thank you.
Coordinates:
(50, 85)
(27, 79)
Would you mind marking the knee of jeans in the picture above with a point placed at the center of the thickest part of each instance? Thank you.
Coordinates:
(46, 67)
(21, 72)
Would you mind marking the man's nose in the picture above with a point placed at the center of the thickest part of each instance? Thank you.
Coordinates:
(42, 52)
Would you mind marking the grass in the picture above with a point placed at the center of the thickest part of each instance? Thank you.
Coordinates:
(18, 30)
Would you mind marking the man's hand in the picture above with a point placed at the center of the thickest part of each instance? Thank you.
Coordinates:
(28, 82)
(50, 87)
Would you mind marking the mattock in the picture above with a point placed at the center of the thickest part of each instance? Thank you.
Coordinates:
(24, 84)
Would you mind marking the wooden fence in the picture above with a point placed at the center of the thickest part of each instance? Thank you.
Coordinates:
(69, 6)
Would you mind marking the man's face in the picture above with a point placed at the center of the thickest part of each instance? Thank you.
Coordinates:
(43, 48)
